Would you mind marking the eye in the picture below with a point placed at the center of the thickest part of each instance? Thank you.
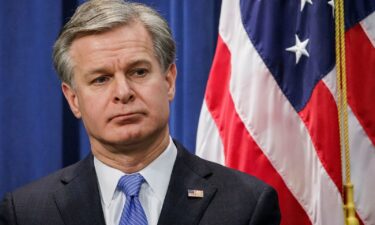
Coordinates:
(100, 80)
(140, 72)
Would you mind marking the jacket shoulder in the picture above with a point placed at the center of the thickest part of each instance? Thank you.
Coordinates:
(47, 185)
(241, 194)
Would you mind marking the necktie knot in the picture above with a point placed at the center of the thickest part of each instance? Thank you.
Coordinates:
(131, 184)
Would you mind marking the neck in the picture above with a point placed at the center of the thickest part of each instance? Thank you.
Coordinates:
(130, 159)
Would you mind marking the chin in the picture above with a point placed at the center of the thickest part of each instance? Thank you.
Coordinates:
(127, 137)
(133, 135)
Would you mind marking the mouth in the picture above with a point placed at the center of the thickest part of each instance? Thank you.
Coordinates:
(126, 118)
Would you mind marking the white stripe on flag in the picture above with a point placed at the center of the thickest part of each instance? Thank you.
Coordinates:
(209, 145)
(368, 26)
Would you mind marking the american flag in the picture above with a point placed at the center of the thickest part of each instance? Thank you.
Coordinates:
(270, 104)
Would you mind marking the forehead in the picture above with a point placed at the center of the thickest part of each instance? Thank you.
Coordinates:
(132, 38)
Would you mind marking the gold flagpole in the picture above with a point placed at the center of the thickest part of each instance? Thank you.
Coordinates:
(342, 106)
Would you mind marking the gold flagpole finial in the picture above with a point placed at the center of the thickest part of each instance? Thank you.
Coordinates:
(350, 218)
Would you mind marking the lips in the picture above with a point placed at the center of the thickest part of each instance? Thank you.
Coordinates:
(126, 117)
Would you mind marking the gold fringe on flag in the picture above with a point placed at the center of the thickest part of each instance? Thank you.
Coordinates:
(342, 106)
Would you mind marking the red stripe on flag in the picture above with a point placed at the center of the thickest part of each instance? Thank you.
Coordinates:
(320, 118)
(360, 56)
(241, 151)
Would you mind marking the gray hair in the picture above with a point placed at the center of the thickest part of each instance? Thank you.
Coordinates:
(96, 16)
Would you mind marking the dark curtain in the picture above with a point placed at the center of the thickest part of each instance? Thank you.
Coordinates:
(38, 133)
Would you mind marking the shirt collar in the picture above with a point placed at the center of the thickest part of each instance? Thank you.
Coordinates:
(157, 174)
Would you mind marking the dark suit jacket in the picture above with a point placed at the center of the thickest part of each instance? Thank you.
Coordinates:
(71, 196)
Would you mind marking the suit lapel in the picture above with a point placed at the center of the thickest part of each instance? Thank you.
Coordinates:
(178, 207)
(79, 200)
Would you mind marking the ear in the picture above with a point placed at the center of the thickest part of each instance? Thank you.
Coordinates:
(171, 80)
(71, 96)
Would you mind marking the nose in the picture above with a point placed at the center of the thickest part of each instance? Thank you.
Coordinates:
(123, 92)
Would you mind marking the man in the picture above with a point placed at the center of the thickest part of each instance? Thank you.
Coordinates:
(116, 63)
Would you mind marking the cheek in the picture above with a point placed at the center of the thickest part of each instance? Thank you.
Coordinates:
(158, 100)
(92, 107)
(163, 107)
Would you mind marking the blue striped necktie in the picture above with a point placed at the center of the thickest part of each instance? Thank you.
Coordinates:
(133, 213)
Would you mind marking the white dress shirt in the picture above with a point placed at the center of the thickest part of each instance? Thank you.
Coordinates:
(157, 175)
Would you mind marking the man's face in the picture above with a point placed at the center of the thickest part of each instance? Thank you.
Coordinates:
(119, 89)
